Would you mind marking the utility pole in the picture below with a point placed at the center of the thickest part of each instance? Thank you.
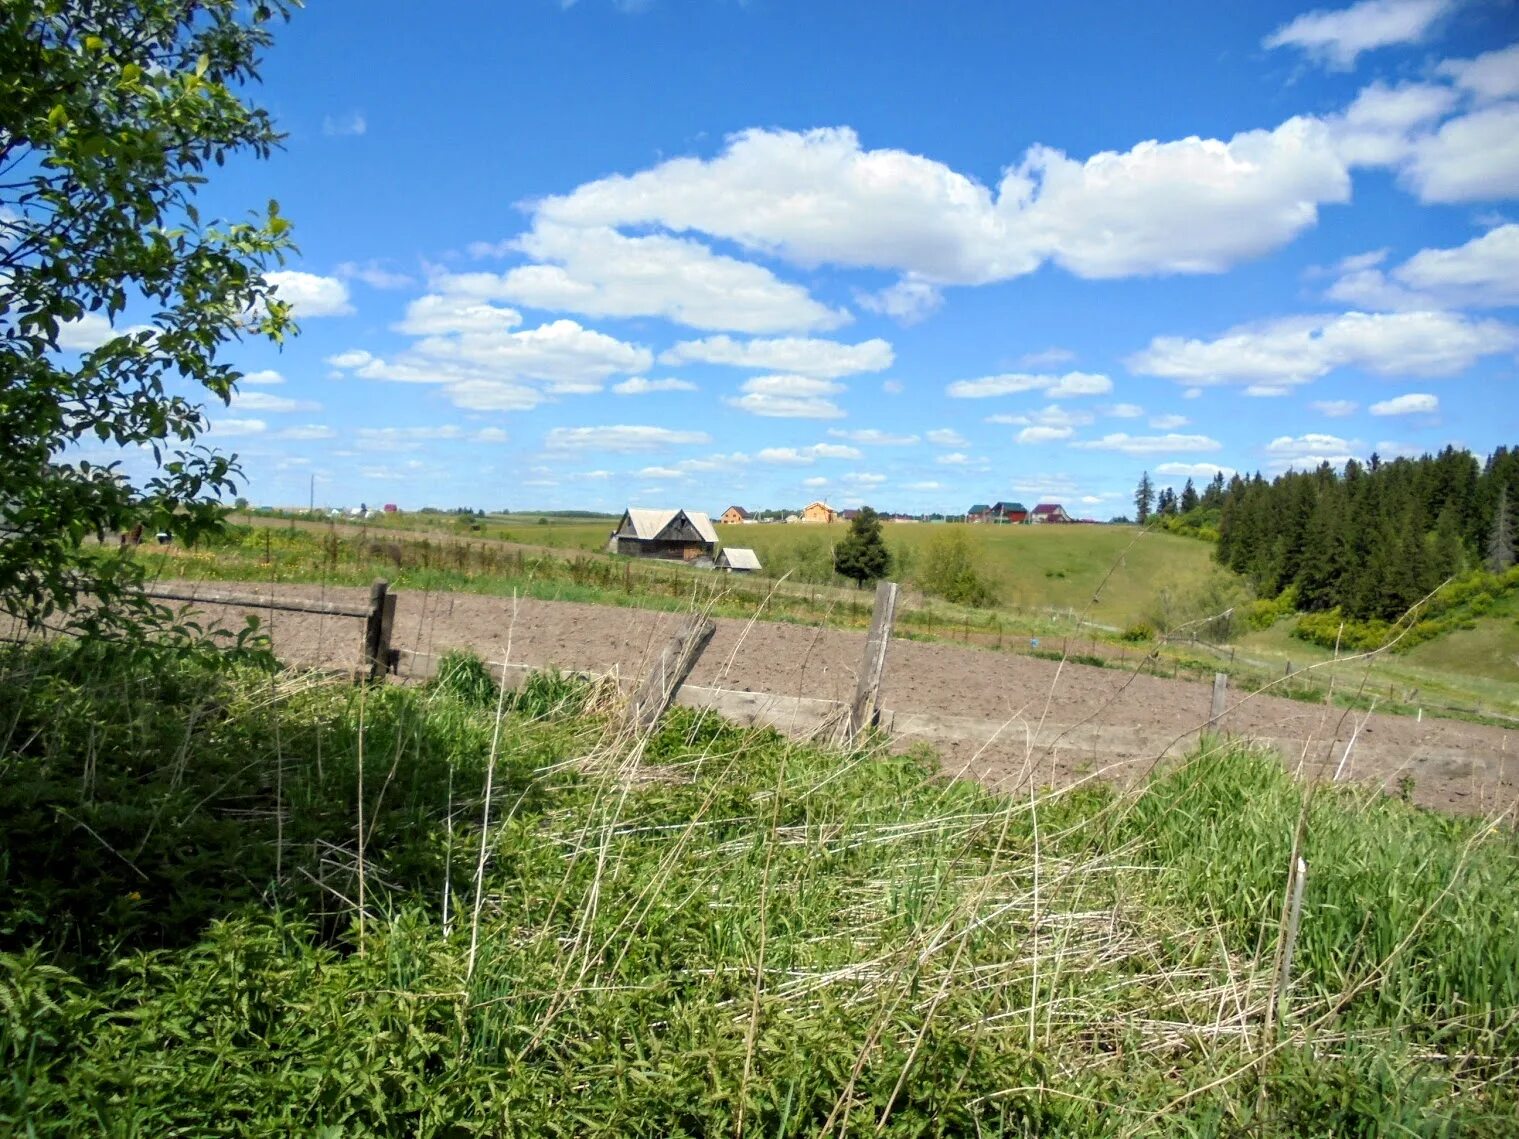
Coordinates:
(312, 508)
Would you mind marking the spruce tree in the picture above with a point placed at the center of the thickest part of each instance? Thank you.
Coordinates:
(862, 554)
(1144, 499)
(1500, 546)
(1188, 498)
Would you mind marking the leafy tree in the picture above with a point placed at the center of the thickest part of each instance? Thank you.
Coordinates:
(862, 555)
(111, 113)
(950, 570)
(1144, 499)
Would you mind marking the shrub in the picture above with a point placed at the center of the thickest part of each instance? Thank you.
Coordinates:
(951, 570)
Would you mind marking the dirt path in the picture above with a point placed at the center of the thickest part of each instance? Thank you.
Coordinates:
(1058, 722)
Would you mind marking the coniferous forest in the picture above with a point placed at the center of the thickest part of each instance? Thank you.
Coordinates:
(1371, 540)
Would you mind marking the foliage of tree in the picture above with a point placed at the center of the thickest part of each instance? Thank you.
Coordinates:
(112, 112)
(1371, 540)
(861, 554)
(1144, 499)
(1189, 498)
(951, 570)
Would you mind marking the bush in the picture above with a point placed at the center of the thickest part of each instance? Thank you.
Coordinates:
(951, 570)
(1138, 633)
(1451, 608)
(1212, 610)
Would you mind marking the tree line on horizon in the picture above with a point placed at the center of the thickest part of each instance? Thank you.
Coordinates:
(1371, 540)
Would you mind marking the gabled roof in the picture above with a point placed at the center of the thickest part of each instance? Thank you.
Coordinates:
(647, 524)
(979, 508)
(1010, 507)
(740, 558)
(819, 502)
(1048, 508)
(739, 510)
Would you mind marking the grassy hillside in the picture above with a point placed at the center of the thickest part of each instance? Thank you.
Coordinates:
(263, 905)
(1032, 567)
(1489, 650)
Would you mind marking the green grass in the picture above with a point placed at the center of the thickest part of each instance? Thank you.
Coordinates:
(235, 901)
(1031, 567)
(1462, 670)
(1490, 650)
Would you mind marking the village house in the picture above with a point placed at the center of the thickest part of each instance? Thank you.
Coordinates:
(676, 535)
(819, 512)
(736, 559)
(1000, 512)
(733, 516)
(1050, 512)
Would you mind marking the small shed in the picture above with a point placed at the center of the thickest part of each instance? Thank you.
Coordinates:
(676, 535)
(736, 559)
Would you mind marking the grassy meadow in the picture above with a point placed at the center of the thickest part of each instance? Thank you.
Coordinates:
(259, 903)
(1030, 567)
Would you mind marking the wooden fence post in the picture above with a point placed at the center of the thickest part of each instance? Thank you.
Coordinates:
(1220, 691)
(867, 693)
(377, 629)
(670, 671)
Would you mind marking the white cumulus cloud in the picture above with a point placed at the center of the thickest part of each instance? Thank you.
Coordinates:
(621, 439)
(873, 437)
(946, 437)
(232, 428)
(1305, 452)
(1335, 408)
(1278, 354)
(1415, 403)
(805, 456)
(1044, 434)
(310, 295)
(1194, 470)
(1337, 36)
(819, 197)
(800, 355)
(265, 401)
(638, 385)
(789, 397)
(1482, 273)
(1127, 444)
(1070, 384)
(1492, 75)
(598, 271)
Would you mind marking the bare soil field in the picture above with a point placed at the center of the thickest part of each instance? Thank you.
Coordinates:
(1041, 722)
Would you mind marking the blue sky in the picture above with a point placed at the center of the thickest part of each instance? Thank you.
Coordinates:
(702, 252)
